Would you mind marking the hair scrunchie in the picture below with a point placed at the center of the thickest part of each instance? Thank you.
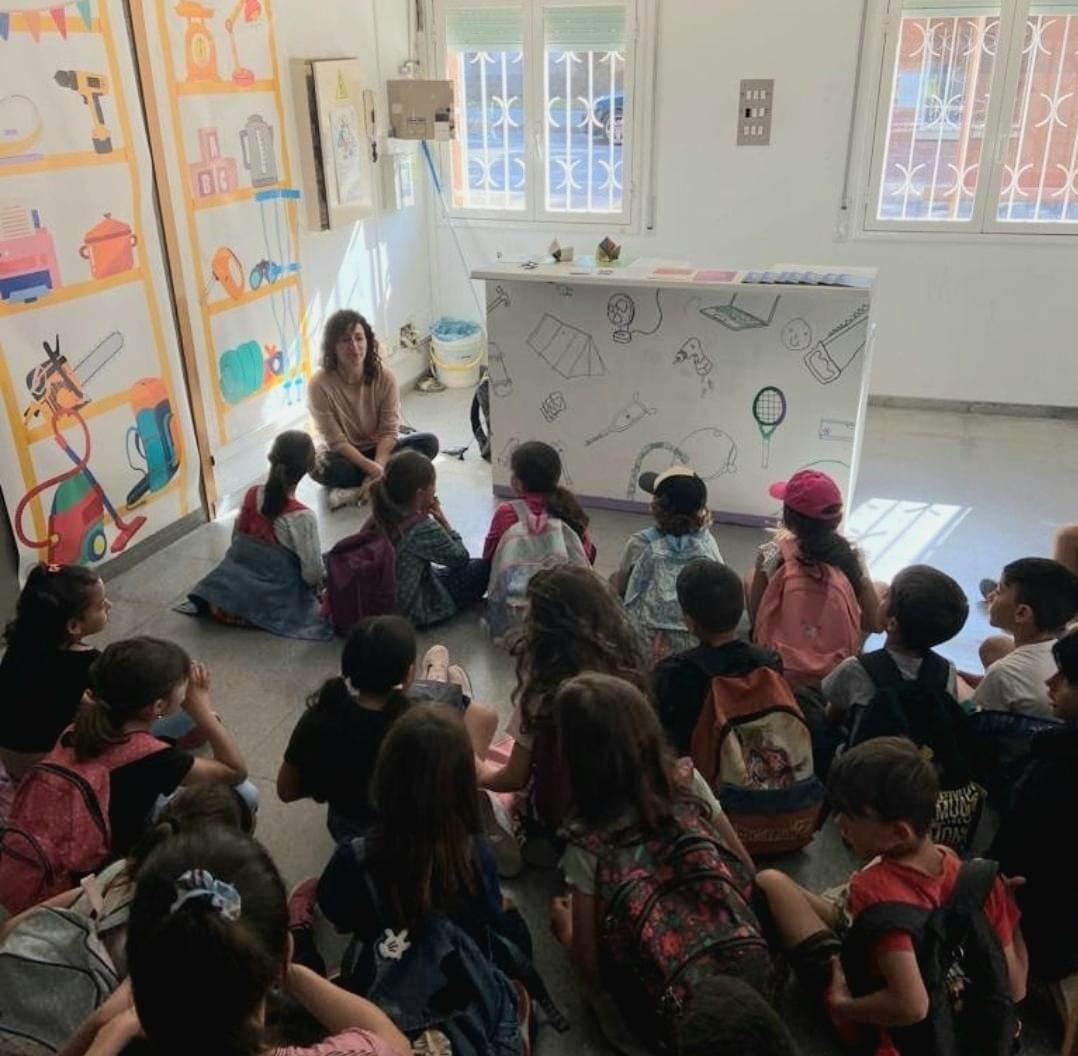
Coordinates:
(202, 884)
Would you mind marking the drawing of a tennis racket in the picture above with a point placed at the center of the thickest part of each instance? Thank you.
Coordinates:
(769, 410)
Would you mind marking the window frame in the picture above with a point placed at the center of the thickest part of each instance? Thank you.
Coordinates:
(637, 118)
(983, 222)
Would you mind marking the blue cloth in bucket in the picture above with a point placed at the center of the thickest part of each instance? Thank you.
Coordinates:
(262, 584)
(449, 329)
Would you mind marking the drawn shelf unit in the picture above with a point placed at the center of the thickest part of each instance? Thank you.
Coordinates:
(228, 174)
(639, 369)
(99, 442)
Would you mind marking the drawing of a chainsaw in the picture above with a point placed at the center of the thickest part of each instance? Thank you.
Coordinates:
(60, 388)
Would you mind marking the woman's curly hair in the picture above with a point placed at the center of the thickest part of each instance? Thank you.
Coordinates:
(575, 623)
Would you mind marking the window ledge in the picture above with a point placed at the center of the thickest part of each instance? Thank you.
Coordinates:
(979, 238)
(528, 224)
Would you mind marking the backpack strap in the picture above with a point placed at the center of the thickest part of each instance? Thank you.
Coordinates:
(976, 878)
(868, 926)
(533, 522)
(478, 431)
(880, 666)
(935, 672)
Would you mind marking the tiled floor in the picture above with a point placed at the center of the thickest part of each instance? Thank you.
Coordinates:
(962, 492)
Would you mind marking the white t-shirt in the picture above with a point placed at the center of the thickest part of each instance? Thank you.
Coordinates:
(1017, 682)
(850, 686)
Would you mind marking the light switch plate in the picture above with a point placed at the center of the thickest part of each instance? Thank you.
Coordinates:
(754, 113)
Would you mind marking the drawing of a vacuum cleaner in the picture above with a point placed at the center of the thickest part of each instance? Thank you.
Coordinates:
(839, 349)
(76, 530)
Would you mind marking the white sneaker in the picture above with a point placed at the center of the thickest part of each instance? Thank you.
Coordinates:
(339, 497)
(498, 826)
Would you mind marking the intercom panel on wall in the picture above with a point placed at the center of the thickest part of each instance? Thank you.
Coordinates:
(337, 121)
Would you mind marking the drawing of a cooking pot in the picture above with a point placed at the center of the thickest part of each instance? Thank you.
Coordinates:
(109, 246)
(242, 372)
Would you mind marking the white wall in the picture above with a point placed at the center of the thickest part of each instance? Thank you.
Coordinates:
(378, 266)
(982, 321)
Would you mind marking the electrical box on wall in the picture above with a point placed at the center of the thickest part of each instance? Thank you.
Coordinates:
(337, 122)
(421, 109)
(754, 113)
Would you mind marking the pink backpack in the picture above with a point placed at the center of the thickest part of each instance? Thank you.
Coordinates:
(58, 831)
(810, 616)
(361, 576)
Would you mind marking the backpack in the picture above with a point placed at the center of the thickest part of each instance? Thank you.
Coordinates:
(58, 831)
(438, 979)
(922, 710)
(651, 593)
(810, 616)
(361, 576)
(961, 962)
(1002, 749)
(481, 416)
(55, 970)
(535, 542)
(675, 910)
(754, 748)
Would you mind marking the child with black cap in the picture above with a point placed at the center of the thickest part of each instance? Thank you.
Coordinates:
(647, 575)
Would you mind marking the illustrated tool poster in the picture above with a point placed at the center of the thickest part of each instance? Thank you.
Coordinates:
(98, 452)
(745, 384)
(218, 94)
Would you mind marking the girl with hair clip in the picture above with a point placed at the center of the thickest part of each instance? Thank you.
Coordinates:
(424, 862)
(632, 804)
(332, 751)
(537, 471)
(355, 403)
(210, 921)
(574, 623)
(436, 576)
(273, 571)
(46, 667)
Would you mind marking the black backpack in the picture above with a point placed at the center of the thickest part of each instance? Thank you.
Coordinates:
(481, 416)
(922, 710)
(961, 962)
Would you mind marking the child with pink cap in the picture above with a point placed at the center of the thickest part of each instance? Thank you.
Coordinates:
(810, 596)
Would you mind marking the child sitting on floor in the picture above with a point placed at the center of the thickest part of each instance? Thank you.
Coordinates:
(273, 568)
(681, 917)
(210, 921)
(1035, 599)
(1027, 843)
(46, 667)
(332, 751)
(536, 478)
(436, 577)
(810, 596)
(884, 797)
(712, 598)
(647, 575)
(574, 623)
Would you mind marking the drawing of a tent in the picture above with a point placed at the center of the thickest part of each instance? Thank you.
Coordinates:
(569, 351)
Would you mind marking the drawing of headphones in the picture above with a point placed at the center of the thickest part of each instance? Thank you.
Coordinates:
(228, 271)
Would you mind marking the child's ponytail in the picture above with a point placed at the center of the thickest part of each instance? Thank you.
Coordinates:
(537, 467)
(209, 921)
(290, 458)
(561, 503)
(52, 597)
(820, 542)
(125, 680)
(393, 495)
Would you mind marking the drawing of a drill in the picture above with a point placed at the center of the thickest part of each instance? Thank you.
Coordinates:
(91, 86)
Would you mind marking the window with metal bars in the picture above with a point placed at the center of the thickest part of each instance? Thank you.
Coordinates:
(545, 95)
(977, 123)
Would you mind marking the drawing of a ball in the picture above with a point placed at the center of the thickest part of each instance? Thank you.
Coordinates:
(620, 309)
(797, 335)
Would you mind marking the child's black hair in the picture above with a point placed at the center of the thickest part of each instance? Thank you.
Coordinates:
(712, 594)
(291, 458)
(1065, 653)
(727, 1017)
(538, 468)
(928, 605)
(886, 779)
(393, 495)
(223, 966)
(1047, 587)
(375, 659)
(53, 596)
(821, 543)
(126, 679)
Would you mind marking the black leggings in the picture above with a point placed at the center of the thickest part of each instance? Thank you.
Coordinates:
(333, 470)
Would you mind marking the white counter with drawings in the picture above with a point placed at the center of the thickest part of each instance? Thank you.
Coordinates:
(626, 370)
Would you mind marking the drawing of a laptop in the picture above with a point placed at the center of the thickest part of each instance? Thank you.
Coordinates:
(735, 318)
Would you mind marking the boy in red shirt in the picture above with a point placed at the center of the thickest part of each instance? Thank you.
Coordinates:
(884, 795)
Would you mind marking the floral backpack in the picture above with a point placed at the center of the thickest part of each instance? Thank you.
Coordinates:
(675, 910)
